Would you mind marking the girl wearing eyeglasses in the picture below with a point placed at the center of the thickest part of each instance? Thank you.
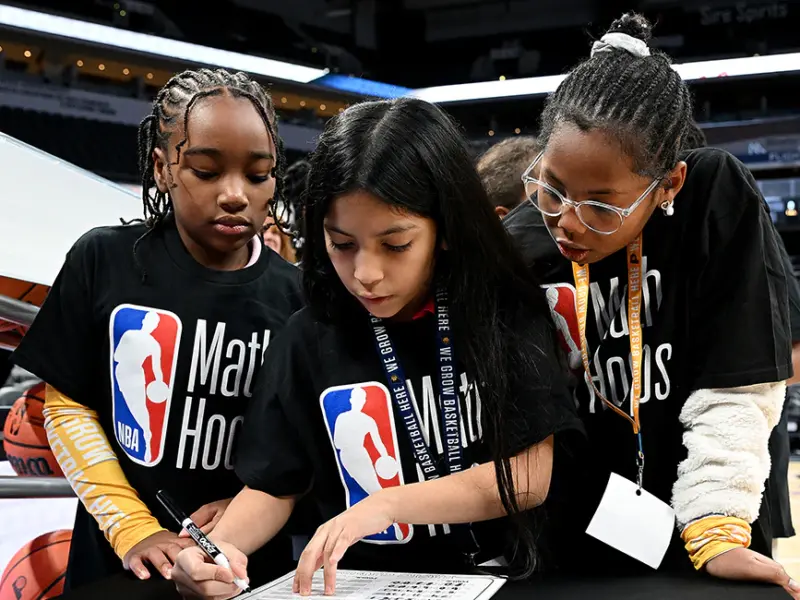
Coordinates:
(665, 267)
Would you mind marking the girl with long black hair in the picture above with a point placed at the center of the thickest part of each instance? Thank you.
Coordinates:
(418, 398)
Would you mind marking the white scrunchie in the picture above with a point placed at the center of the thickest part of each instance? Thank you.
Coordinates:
(621, 41)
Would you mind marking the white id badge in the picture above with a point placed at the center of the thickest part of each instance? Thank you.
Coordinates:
(641, 526)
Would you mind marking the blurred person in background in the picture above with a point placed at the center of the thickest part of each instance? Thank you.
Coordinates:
(695, 137)
(500, 169)
(295, 187)
(777, 505)
(685, 367)
(288, 241)
(278, 239)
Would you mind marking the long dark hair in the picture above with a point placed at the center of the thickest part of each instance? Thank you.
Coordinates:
(411, 155)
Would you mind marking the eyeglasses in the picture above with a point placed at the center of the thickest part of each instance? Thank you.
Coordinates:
(600, 217)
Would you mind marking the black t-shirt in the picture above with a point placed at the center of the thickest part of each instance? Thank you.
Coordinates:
(714, 315)
(166, 352)
(322, 410)
(5, 366)
(794, 291)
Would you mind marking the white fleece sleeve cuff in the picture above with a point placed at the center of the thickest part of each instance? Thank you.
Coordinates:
(727, 434)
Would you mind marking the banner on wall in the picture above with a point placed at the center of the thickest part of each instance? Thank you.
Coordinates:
(81, 104)
(744, 13)
(70, 102)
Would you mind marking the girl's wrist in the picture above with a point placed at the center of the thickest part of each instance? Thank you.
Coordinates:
(387, 500)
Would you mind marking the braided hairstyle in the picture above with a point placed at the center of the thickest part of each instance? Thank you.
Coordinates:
(694, 138)
(295, 183)
(640, 100)
(172, 106)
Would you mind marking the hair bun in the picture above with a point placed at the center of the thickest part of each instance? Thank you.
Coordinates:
(634, 25)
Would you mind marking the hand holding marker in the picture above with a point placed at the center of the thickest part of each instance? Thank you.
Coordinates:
(198, 536)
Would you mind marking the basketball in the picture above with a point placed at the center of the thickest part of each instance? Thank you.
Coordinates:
(25, 440)
(23, 290)
(386, 467)
(11, 333)
(157, 392)
(36, 571)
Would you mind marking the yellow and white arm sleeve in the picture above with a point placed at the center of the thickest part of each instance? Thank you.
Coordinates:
(84, 454)
(721, 482)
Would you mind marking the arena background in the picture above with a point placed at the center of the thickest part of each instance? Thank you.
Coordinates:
(76, 79)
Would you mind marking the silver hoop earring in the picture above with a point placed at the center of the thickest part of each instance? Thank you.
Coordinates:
(668, 208)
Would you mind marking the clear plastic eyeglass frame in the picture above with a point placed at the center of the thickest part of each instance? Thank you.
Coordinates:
(621, 213)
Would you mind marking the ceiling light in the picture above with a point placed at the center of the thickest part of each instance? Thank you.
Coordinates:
(95, 33)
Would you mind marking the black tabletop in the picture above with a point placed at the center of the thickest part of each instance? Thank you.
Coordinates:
(655, 587)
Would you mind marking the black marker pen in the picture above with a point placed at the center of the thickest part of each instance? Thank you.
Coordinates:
(198, 536)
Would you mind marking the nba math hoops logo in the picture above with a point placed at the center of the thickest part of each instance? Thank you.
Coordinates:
(144, 352)
(360, 423)
(561, 299)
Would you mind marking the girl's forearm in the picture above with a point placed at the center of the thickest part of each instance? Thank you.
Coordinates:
(472, 495)
(252, 519)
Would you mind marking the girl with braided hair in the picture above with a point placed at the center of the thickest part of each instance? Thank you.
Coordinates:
(683, 369)
(153, 333)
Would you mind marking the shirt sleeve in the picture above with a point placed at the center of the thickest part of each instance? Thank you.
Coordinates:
(82, 450)
(739, 318)
(794, 290)
(271, 457)
(542, 400)
(61, 347)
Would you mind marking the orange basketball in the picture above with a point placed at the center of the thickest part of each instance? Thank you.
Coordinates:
(37, 571)
(25, 440)
(33, 293)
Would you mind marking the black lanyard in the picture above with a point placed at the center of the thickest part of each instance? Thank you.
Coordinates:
(449, 405)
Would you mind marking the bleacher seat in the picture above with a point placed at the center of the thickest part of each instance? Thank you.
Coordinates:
(107, 149)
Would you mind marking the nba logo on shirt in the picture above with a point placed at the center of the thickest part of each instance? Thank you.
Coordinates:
(144, 352)
(561, 299)
(360, 423)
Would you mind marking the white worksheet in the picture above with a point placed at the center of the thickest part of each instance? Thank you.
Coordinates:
(379, 585)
